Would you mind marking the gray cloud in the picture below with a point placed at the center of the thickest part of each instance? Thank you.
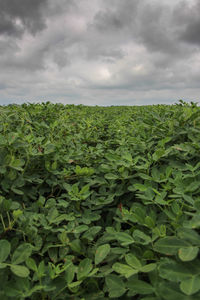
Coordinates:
(17, 16)
(99, 52)
(187, 17)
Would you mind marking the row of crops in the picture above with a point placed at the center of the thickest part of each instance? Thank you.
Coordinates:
(99, 202)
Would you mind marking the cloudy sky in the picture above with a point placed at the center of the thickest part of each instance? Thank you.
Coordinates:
(99, 52)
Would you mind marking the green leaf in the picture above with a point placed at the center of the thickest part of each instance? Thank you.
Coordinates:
(140, 287)
(84, 268)
(30, 262)
(192, 186)
(191, 285)
(74, 284)
(133, 261)
(193, 223)
(4, 250)
(188, 254)
(76, 246)
(190, 235)
(173, 271)
(170, 291)
(21, 253)
(141, 238)
(20, 271)
(101, 253)
(149, 222)
(91, 232)
(3, 265)
(169, 245)
(111, 176)
(148, 268)
(41, 269)
(70, 273)
(127, 156)
(115, 286)
(124, 238)
(124, 269)
(140, 187)
(80, 229)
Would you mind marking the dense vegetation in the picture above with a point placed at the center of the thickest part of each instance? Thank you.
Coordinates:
(99, 202)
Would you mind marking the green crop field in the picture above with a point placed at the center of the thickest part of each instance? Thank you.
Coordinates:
(100, 202)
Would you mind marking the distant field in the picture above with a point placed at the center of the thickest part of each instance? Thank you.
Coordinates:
(100, 202)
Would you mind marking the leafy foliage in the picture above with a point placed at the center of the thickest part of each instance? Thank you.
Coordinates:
(99, 202)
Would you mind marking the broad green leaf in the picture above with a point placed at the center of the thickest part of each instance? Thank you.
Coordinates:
(91, 232)
(52, 215)
(74, 284)
(101, 253)
(193, 223)
(70, 273)
(133, 261)
(41, 269)
(127, 156)
(192, 186)
(17, 191)
(140, 287)
(170, 291)
(21, 253)
(80, 229)
(85, 189)
(173, 271)
(188, 254)
(30, 262)
(76, 246)
(190, 235)
(111, 176)
(169, 245)
(124, 238)
(140, 187)
(124, 270)
(115, 285)
(148, 268)
(84, 268)
(149, 222)
(191, 285)
(20, 271)
(3, 265)
(4, 250)
(141, 237)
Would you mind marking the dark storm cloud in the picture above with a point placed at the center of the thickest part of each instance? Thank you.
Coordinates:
(16, 16)
(160, 27)
(188, 19)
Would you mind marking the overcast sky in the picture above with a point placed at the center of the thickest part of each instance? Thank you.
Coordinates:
(99, 52)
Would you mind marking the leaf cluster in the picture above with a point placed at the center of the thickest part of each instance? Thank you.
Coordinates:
(99, 202)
